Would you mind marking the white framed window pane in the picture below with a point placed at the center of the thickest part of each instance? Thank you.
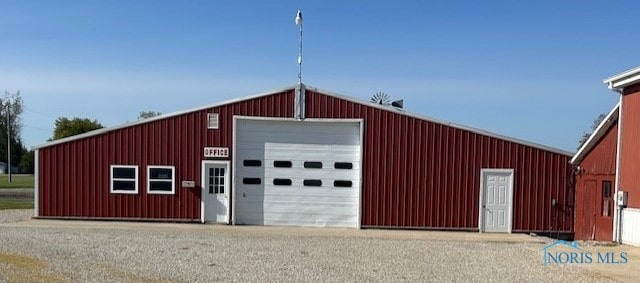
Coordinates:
(124, 173)
(161, 186)
(160, 179)
(123, 179)
(161, 173)
(124, 186)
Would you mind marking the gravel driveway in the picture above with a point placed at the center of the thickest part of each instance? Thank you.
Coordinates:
(50, 250)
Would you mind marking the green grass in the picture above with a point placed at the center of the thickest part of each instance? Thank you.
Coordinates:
(17, 181)
(16, 204)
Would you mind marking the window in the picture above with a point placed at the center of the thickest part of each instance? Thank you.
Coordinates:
(606, 189)
(343, 165)
(313, 164)
(251, 181)
(283, 164)
(282, 182)
(252, 163)
(124, 179)
(342, 183)
(607, 200)
(216, 180)
(312, 183)
(161, 180)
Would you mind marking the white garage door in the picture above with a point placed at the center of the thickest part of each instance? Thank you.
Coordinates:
(297, 173)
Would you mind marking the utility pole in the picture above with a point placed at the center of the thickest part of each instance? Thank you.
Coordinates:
(9, 139)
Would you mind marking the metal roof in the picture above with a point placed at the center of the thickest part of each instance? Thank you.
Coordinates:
(329, 93)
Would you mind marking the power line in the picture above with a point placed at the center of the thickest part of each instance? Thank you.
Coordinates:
(39, 113)
(38, 128)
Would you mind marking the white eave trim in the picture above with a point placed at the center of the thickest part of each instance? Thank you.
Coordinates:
(443, 122)
(160, 117)
(597, 134)
(624, 79)
(329, 93)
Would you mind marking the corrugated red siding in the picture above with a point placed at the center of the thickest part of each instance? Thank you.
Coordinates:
(601, 160)
(597, 166)
(629, 149)
(74, 176)
(422, 174)
(416, 173)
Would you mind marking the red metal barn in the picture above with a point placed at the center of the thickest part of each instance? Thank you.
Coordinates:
(627, 189)
(595, 164)
(307, 157)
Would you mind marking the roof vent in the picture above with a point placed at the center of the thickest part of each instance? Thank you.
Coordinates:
(212, 121)
(398, 103)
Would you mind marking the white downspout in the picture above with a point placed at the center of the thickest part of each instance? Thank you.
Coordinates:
(617, 211)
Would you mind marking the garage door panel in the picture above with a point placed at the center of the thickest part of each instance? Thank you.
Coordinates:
(298, 197)
(346, 221)
(283, 212)
(327, 158)
(318, 138)
(310, 139)
(287, 206)
(267, 177)
(311, 134)
(303, 172)
(273, 153)
(296, 203)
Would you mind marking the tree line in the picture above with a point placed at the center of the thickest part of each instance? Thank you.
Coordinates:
(12, 106)
(11, 110)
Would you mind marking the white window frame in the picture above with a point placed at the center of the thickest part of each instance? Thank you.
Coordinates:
(112, 179)
(173, 180)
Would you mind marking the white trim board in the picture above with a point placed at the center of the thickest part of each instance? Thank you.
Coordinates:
(624, 79)
(597, 134)
(36, 184)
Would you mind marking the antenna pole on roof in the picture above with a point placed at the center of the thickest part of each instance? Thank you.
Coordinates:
(298, 21)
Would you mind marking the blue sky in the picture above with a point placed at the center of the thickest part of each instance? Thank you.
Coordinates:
(530, 70)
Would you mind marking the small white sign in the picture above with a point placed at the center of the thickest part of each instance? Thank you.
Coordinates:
(188, 184)
(216, 152)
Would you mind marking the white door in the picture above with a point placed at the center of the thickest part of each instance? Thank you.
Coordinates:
(215, 193)
(304, 173)
(496, 204)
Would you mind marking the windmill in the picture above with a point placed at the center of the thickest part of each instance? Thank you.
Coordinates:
(384, 99)
(381, 98)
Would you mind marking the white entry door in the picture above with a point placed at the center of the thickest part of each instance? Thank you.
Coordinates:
(215, 191)
(496, 200)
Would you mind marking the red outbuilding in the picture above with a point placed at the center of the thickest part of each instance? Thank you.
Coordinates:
(303, 156)
(595, 170)
(608, 191)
